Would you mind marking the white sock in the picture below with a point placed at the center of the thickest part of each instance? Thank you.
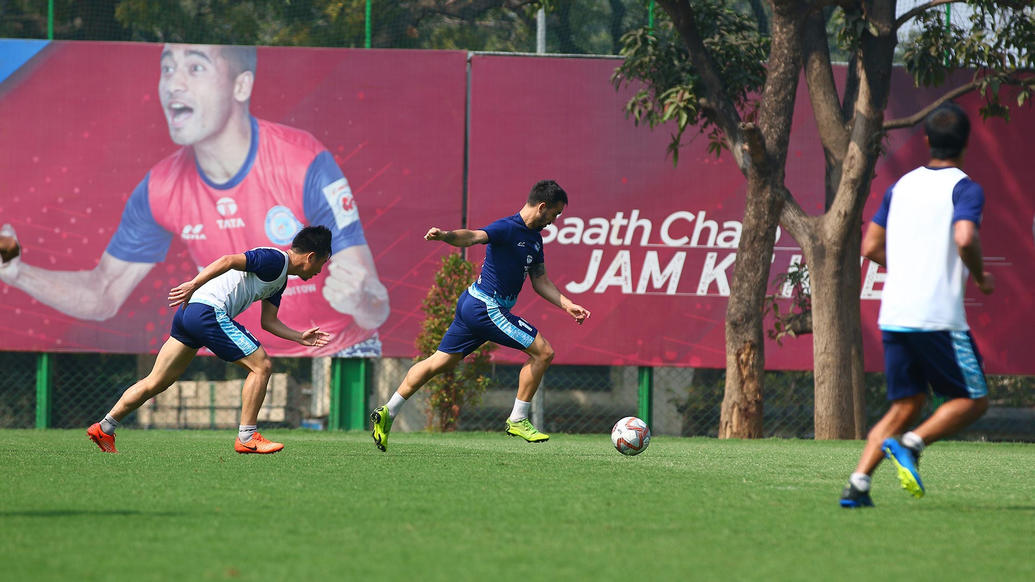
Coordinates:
(109, 424)
(245, 432)
(860, 481)
(520, 411)
(394, 404)
(913, 441)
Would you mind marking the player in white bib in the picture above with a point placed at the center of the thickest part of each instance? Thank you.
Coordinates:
(926, 234)
(209, 303)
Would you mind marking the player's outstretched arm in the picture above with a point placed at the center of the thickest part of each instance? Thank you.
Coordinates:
(272, 323)
(352, 287)
(182, 292)
(549, 291)
(95, 294)
(460, 237)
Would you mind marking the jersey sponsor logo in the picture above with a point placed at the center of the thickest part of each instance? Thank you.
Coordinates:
(193, 232)
(227, 207)
(522, 323)
(281, 225)
(521, 243)
(233, 222)
(339, 197)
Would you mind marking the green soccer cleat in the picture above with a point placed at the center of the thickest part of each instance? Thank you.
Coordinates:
(382, 426)
(524, 429)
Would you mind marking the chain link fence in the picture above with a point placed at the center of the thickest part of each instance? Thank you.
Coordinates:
(572, 399)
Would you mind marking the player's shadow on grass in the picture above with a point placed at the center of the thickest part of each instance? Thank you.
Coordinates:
(87, 512)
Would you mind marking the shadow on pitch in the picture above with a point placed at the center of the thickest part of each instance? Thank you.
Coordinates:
(87, 513)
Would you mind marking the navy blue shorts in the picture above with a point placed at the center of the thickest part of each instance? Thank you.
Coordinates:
(479, 319)
(198, 325)
(948, 361)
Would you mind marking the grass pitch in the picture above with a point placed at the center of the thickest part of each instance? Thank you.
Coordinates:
(181, 505)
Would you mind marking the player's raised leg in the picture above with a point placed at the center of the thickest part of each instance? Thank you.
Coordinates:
(249, 440)
(172, 360)
(418, 375)
(540, 355)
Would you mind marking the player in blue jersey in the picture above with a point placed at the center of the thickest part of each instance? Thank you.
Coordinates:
(483, 314)
(210, 302)
(926, 234)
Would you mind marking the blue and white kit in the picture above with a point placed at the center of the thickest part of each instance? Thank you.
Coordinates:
(926, 337)
(208, 318)
(483, 310)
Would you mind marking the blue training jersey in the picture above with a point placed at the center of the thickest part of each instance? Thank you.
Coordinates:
(512, 249)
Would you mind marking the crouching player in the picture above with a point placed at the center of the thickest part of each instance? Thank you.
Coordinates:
(209, 304)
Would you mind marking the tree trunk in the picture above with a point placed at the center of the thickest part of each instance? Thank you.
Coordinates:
(837, 337)
(741, 415)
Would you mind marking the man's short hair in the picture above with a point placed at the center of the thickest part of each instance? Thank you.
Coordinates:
(549, 192)
(240, 58)
(313, 239)
(948, 129)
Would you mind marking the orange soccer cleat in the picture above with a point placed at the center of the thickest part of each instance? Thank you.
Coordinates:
(258, 445)
(104, 440)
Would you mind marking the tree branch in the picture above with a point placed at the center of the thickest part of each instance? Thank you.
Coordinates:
(796, 222)
(819, 79)
(720, 108)
(918, 10)
(920, 115)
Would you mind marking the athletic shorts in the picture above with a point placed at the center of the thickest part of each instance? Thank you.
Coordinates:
(479, 319)
(948, 361)
(198, 325)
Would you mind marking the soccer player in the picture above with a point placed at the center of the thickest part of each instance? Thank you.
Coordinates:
(926, 234)
(236, 182)
(483, 311)
(210, 302)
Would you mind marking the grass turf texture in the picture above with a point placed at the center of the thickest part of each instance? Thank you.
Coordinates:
(181, 505)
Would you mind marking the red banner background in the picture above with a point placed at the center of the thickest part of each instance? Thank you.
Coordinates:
(82, 125)
(558, 118)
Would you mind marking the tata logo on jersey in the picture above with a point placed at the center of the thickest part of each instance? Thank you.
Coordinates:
(193, 232)
(227, 207)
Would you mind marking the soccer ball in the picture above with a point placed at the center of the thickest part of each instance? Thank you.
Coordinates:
(630, 435)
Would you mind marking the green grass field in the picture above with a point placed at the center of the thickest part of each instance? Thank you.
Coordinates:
(181, 505)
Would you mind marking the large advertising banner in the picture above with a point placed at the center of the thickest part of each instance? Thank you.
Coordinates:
(650, 248)
(121, 177)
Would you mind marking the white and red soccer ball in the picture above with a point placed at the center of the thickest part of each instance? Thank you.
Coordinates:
(630, 436)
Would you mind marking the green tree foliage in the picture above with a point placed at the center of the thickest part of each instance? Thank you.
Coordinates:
(464, 385)
(573, 26)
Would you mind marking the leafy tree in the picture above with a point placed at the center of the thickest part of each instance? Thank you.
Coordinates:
(707, 65)
(465, 384)
(573, 26)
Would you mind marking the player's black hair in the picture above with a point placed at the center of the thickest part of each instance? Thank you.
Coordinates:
(547, 191)
(948, 128)
(241, 58)
(313, 239)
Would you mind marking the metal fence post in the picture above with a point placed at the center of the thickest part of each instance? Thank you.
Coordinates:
(348, 394)
(645, 396)
(538, 408)
(43, 392)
